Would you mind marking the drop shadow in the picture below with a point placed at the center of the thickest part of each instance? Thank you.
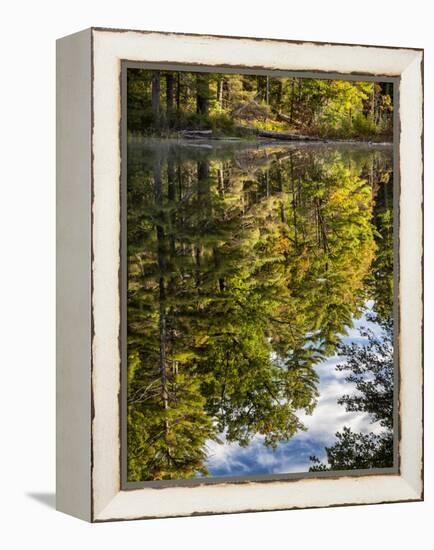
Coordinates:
(47, 499)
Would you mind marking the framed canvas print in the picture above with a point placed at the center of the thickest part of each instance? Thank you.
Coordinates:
(239, 266)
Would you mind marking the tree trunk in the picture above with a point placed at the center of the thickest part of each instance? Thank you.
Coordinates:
(203, 203)
(178, 92)
(156, 94)
(202, 94)
(171, 195)
(202, 177)
(220, 91)
(291, 108)
(294, 200)
(220, 179)
(279, 93)
(162, 291)
(225, 92)
(163, 345)
(169, 93)
(267, 90)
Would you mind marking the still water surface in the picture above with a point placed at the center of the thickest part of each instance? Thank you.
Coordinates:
(248, 264)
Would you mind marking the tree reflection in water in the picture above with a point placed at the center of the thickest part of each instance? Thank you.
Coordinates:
(246, 265)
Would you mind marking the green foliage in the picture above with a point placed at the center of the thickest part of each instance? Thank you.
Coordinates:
(167, 443)
(225, 103)
(357, 451)
(381, 279)
(371, 371)
(364, 125)
(244, 268)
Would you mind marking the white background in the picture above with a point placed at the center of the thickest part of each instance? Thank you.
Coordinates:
(27, 229)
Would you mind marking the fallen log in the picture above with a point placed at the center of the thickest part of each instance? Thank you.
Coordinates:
(277, 135)
(286, 136)
(244, 106)
(195, 134)
(283, 117)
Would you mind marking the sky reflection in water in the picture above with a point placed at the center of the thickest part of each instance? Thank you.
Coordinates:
(229, 459)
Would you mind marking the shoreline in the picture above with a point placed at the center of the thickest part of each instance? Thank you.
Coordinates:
(258, 141)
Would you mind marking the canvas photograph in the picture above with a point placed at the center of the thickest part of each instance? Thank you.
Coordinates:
(259, 291)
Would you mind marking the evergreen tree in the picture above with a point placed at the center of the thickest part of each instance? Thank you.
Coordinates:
(227, 103)
(241, 276)
(371, 371)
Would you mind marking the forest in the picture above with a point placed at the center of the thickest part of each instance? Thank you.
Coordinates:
(246, 264)
(197, 105)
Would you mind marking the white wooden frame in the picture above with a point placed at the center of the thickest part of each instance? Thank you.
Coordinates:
(88, 262)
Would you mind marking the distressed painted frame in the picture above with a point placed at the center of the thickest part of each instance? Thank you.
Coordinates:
(125, 484)
(89, 166)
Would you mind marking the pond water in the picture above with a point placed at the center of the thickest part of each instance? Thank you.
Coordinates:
(249, 265)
